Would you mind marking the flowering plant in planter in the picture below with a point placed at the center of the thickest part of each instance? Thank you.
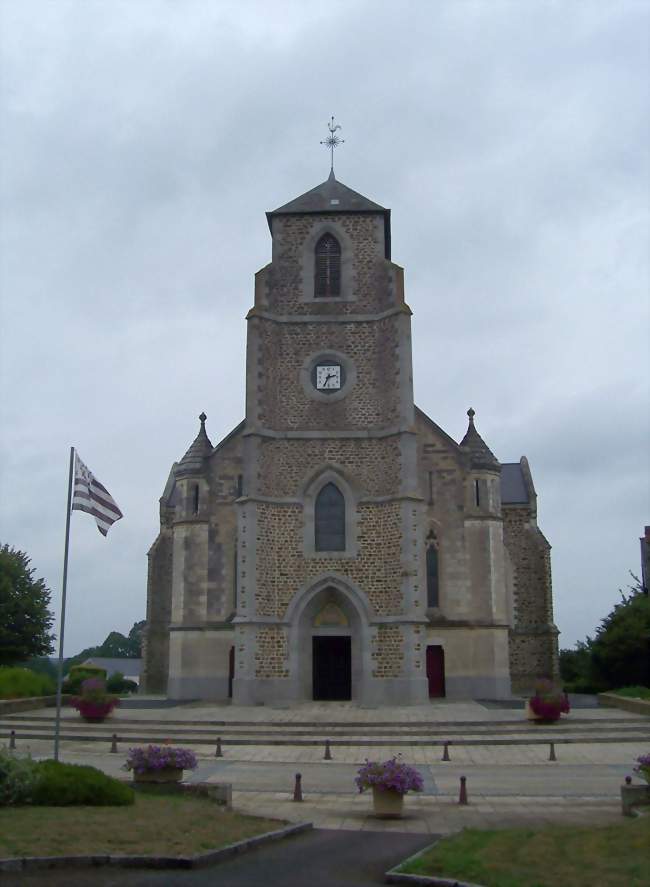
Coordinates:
(155, 758)
(95, 703)
(392, 775)
(549, 701)
(644, 767)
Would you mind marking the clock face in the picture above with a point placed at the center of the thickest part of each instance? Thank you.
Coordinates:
(328, 377)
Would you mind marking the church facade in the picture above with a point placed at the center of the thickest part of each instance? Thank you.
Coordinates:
(338, 544)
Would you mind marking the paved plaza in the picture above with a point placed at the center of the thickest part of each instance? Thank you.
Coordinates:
(508, 785)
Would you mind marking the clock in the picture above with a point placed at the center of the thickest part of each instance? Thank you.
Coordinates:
(328, 376)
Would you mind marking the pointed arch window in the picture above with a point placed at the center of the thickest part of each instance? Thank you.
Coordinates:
(329, 519)
(327, 271)
(432, 575)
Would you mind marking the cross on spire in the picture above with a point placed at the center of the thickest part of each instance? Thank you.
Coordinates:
(332, 141)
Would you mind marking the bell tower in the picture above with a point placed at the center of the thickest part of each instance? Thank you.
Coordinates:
(330, 513)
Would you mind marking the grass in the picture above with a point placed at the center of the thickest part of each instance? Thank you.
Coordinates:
(157, 824)
(633, 692)
(612, 856)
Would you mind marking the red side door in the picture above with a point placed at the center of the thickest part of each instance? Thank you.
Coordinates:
(436, 671)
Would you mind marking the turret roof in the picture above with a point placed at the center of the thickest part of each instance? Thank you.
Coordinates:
(480, 454)
(193, 460)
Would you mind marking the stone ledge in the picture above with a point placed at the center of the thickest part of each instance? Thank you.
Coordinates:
(197, 860)
(637, 706)
(7, 706)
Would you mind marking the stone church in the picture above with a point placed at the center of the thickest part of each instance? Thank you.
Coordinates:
(338, 544)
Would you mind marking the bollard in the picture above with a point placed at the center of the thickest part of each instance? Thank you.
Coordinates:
(114, 744)
(12, 739)
(218, 753)
(551, 754)
(297, 791)
(328, 754)
(445, 754)
(462, 798)
(628, 780)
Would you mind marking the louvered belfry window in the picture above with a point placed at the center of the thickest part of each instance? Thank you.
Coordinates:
(432, 576)
(327, 280)
(329, 519)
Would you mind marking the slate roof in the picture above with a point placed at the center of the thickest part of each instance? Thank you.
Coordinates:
(193, 460)
(513, 485)
(480, 454)
(332, 196)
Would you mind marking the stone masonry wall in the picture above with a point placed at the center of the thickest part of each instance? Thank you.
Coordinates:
(271, 653)
(159, 600)
(533, 638)
(282, 567)
(371, 285)
(372, 401)
(374, 464)
(387, 652)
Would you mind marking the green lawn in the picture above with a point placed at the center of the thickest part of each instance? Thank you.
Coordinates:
(612, 856)
(169, 825)
(633, 692)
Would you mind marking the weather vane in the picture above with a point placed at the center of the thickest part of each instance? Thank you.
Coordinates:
(332, 141)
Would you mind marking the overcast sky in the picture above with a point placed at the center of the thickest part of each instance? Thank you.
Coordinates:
(142, 143)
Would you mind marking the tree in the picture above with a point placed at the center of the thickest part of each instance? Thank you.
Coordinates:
(25, 618)
(619, 653)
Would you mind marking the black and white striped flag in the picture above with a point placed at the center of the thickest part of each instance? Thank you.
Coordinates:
(92, 497)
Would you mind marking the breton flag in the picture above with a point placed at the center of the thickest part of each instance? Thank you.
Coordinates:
(92, 497)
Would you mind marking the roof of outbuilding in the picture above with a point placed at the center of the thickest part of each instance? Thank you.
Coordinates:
(122, 664)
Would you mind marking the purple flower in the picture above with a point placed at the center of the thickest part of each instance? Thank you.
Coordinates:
(159, 757)
(389, 775)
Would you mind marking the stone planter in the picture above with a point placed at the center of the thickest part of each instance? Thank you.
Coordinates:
(531, 716)
(160, 777)
(387, 804)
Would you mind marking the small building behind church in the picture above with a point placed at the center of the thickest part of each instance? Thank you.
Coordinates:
(338, 544)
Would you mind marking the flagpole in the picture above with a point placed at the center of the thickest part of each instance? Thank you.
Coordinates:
(59, 680)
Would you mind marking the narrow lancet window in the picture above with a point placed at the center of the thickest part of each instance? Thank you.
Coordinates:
(432, 576)
(327, 272)
(195, 499)
(329, 519)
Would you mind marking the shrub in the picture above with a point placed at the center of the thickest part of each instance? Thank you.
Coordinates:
(80, 673)
(117, 683)
(17, 779)
(19, 683)
(62, 785)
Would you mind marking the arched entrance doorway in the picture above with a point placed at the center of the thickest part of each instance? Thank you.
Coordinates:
(327, 643)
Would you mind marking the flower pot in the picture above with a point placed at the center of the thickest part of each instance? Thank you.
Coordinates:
(387, 803)
(166, 775)
(539, 719)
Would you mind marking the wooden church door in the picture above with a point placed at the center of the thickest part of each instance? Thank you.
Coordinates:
(436, 671)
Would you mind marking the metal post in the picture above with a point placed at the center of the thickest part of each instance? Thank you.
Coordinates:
(297, 791)
(462, 798)
(12, 739)
(328, 754)
(59, 679)
(114, 744)
(445, 754)
(551, 754)
(218, 753)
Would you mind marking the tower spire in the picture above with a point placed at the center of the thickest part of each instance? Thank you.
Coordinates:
(332, 141)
